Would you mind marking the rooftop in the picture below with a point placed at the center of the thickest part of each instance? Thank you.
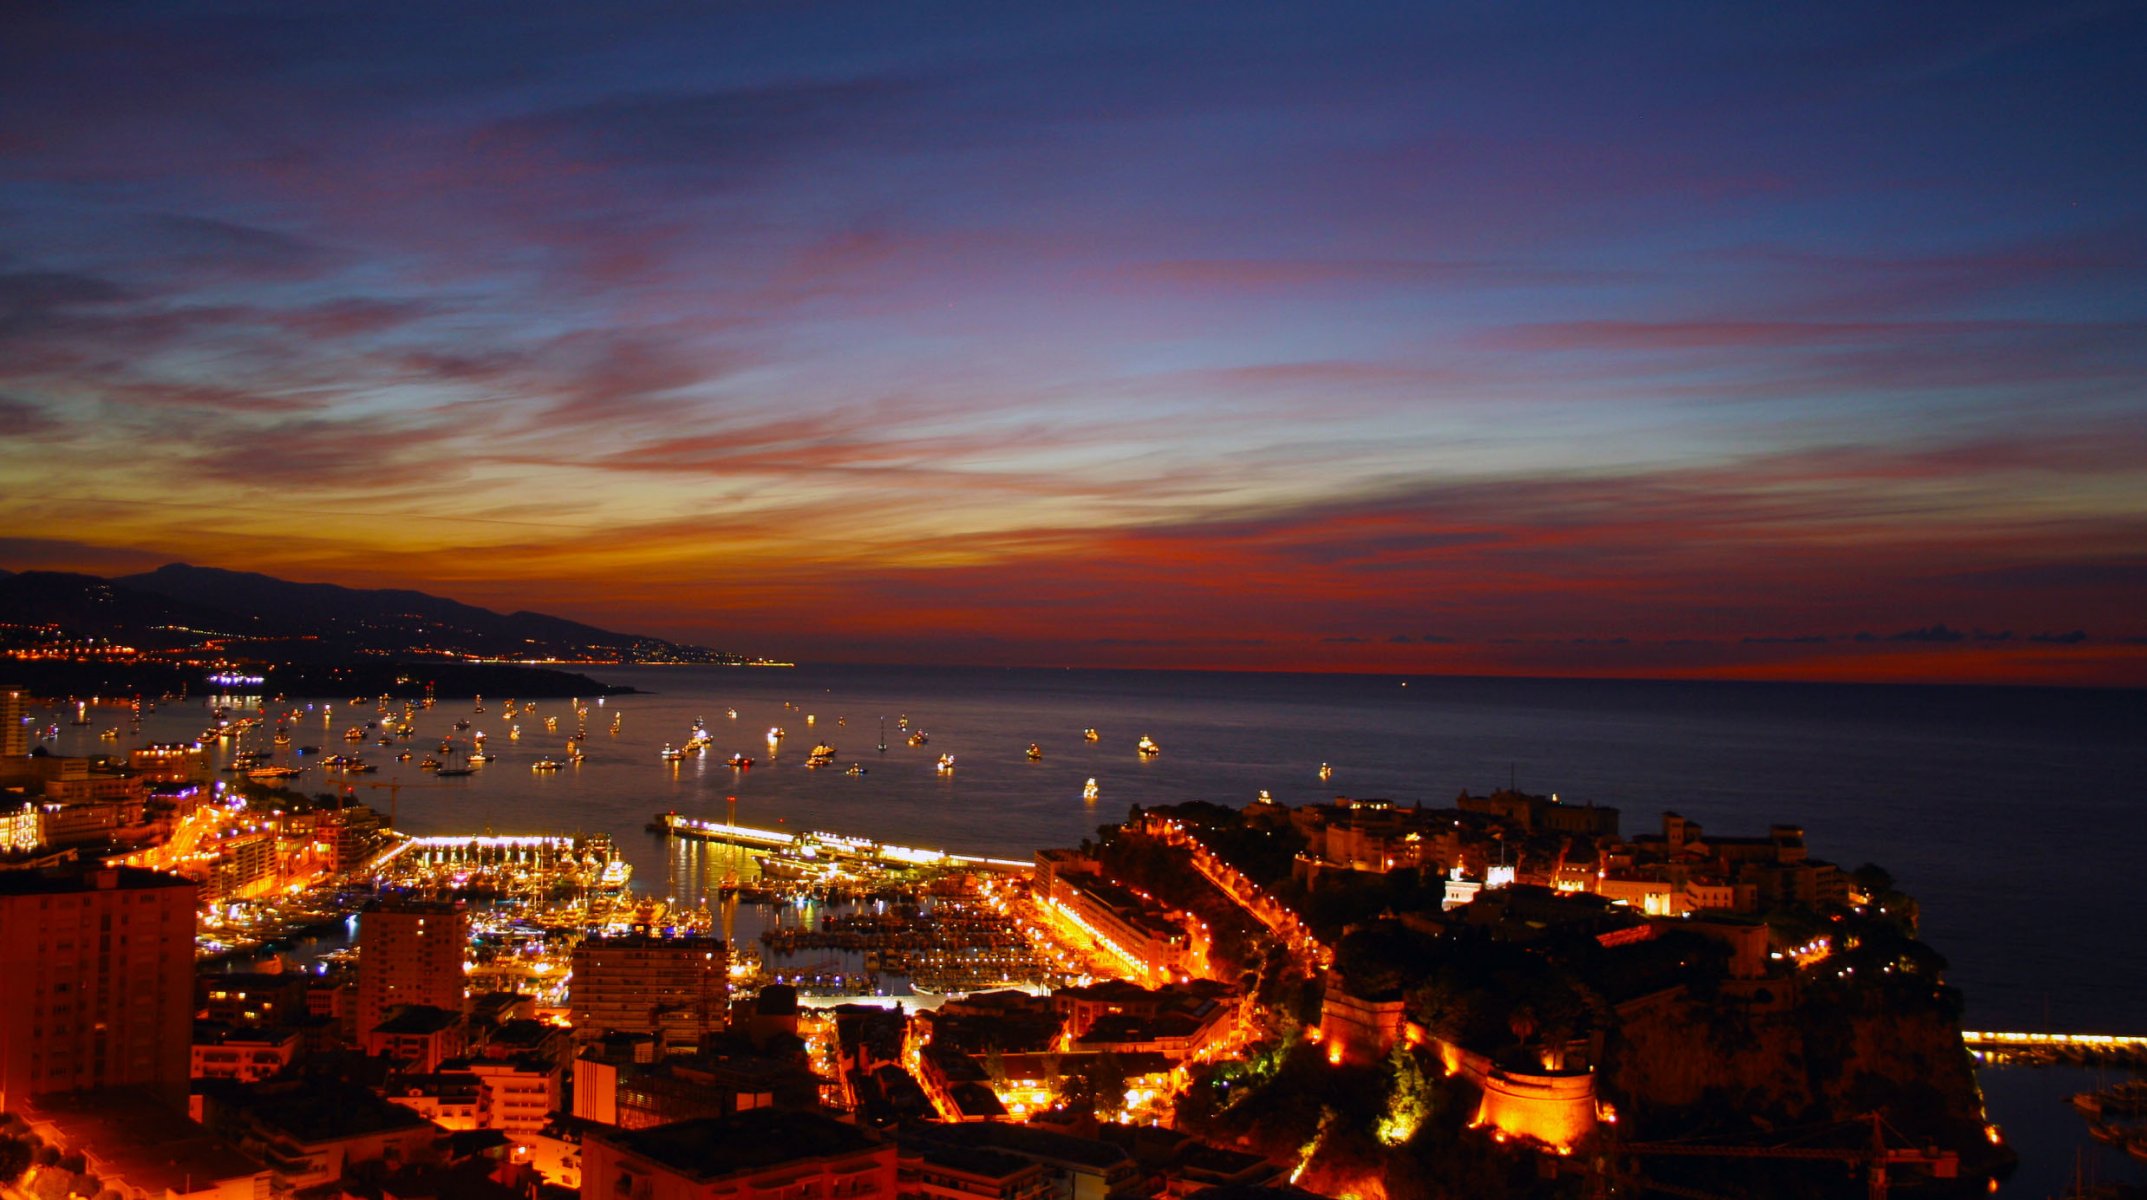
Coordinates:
(324, 1110)
(1032, 1142)
(713, 1147)
(57, 881)
(419, 1018)
(150, 1146)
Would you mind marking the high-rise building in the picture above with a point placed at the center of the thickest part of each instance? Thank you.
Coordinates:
(98, 985)
(677, 988)
(14, 710)
(409, 952)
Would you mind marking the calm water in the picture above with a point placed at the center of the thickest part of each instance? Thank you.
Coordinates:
(2013, 815)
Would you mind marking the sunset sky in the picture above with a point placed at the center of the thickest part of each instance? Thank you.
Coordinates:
(1759, 341)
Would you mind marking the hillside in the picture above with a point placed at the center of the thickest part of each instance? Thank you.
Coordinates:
(165, 624)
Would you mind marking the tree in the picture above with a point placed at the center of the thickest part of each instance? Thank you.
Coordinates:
(14, 1158)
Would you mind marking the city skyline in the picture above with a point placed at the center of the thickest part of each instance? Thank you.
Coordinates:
(1652, 342)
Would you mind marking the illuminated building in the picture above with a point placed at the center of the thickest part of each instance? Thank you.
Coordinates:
(245, 864)
(420, 1036)
(22, 828)
(1137, 933)
(14, 712)
(248, 1055)
(98, 986)
(677, 988)
(517, 1094)
(409, 952)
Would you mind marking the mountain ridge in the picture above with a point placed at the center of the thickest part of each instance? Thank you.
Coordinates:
(178, 601)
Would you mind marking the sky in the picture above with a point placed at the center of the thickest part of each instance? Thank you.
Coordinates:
(1714, 340)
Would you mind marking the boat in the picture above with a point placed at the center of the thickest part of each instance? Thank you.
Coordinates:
(1088, 790)
(1147, 747)
(273, 772)
(739, 761)
(428, 763)
(403, 757)
(822, 754)
(445, 772)
(359, 766)
(546, 764)
(1090, 734)
(919, 738)
(1326, 772)
(354, 734)
(855, 769)
(945, 765)
(670, 753)
(1035, 752)
(479, 756)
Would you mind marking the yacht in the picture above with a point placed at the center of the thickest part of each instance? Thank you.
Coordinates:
(1036, 752)
(945, 766)
(1146, 747)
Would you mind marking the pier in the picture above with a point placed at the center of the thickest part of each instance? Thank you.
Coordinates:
(831, 846)
(2113, 1048)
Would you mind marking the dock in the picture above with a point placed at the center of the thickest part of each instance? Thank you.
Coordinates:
(831, 846)
(2112, 1048)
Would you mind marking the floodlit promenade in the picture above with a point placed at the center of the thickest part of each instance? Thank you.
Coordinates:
(1281, 921)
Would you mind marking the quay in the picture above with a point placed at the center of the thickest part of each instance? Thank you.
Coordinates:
(831, 846)
(2111, 1048)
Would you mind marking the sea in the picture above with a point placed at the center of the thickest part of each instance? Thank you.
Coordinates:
(2013, 815)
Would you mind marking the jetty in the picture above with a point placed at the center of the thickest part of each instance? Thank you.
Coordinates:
(832, 847)
(2110, 1048)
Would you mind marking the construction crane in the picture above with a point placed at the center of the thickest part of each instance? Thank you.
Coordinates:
(1875, 1157)
(394, 789)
